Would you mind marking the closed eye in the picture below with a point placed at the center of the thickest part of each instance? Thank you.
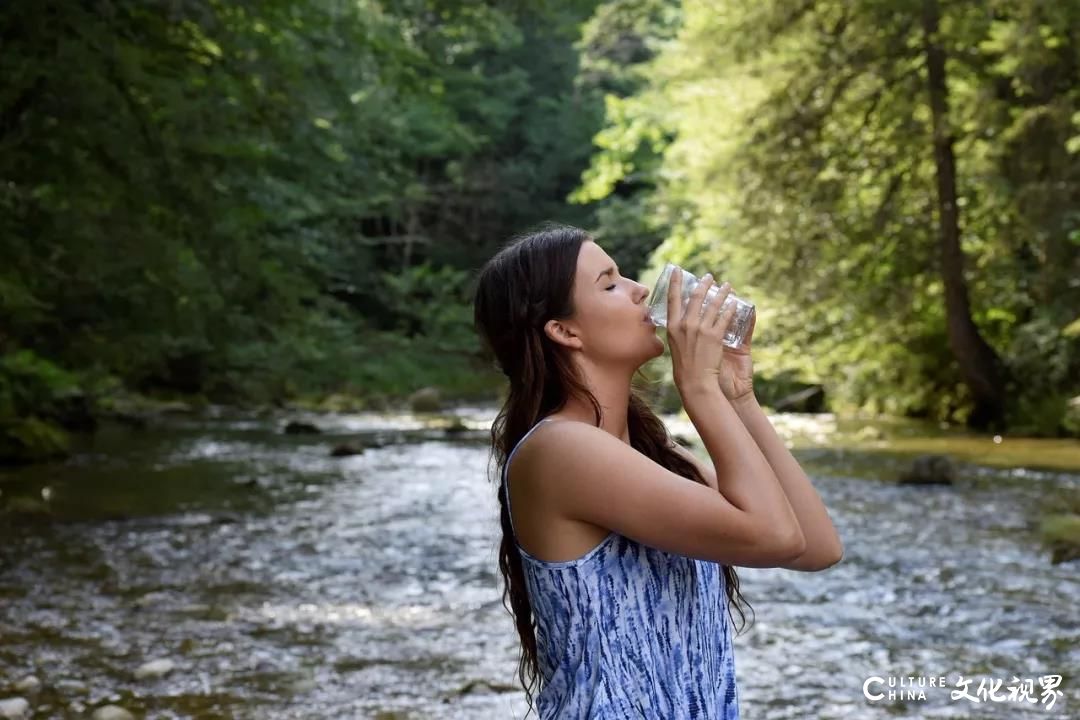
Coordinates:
(609, 287)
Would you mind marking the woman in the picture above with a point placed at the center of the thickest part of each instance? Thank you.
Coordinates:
(614, 564)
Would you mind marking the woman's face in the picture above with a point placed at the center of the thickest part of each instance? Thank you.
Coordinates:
(610, 323)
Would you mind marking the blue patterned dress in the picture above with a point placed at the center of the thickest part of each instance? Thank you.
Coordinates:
(630, 631)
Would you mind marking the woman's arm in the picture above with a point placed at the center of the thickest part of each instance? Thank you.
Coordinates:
(704, 468)
(823, 546)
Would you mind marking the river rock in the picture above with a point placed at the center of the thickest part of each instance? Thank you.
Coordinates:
(426, 399)
(1062, 534)
(175, 407)
(112, 712)
(155, 668)
(456, 427)
(69, 686)
(376, 402)
(131, 418)
(16, 708)
(929, 470)
(341, 403)
(295, 427)
(345, 450)
(27, 506)
(869, 433)
(480, 686)
(1070, 422)
(28, 684)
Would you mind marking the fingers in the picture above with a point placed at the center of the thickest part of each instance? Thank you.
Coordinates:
(694, 308)
(724, 318)
(708, 320)
(674, 295)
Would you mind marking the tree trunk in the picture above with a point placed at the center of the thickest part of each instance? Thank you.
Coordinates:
(980, 366)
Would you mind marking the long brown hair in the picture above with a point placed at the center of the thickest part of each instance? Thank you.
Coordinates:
(529, 281)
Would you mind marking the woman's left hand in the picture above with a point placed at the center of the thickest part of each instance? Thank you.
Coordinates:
(737, 379)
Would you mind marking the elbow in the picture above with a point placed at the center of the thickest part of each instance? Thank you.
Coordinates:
(832, 553)
(818, 559)
(792, 546)
(828, 558)
(836, 555)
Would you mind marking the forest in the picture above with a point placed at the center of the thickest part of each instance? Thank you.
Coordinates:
(284, 203)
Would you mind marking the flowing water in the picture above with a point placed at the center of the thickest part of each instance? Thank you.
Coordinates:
(280, 582)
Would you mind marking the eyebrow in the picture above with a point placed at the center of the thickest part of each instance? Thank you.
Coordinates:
(605, 272)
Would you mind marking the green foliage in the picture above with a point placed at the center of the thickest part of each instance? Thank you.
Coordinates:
(799, 159)
(618, 46)
(31, 439)
(35, 401)
(214, 198)
(432, 302)
(29, 384)
(260, 201)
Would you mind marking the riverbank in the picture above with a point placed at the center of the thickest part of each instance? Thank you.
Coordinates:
(44, 408)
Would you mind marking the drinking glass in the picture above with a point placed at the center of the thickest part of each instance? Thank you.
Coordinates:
(658, 304)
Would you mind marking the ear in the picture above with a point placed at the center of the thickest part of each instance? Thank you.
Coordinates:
(562, 333)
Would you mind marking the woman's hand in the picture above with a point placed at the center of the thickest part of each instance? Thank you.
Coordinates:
(737, 376)
(695, 336)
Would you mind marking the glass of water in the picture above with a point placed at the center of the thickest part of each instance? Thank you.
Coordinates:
(658, 303)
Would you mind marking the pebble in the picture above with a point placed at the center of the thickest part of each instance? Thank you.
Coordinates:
(69, 686)
(112, 712)
(155, 668)
(28, 684)
(14, 708)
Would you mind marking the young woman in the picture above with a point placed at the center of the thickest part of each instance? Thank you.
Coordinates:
(618, 545)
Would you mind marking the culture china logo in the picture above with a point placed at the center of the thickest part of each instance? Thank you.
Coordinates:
(1042, 690)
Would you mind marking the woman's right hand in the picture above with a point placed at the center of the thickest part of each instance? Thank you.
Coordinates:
(695, 338)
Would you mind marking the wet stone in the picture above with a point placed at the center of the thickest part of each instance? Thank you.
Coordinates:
(16, 708)
(112, 712)
(929, 470)
(28, 684)
(155, 668)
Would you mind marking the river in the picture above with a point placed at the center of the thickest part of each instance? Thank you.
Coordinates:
(274, 581)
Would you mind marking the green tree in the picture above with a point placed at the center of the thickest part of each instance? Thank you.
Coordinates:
(805, 147)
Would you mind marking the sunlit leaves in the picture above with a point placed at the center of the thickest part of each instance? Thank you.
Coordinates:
(801, 144)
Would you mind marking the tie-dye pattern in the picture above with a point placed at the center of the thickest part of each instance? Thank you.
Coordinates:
(629, 631)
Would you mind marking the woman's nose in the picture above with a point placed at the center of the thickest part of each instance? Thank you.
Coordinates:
(643, 291)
